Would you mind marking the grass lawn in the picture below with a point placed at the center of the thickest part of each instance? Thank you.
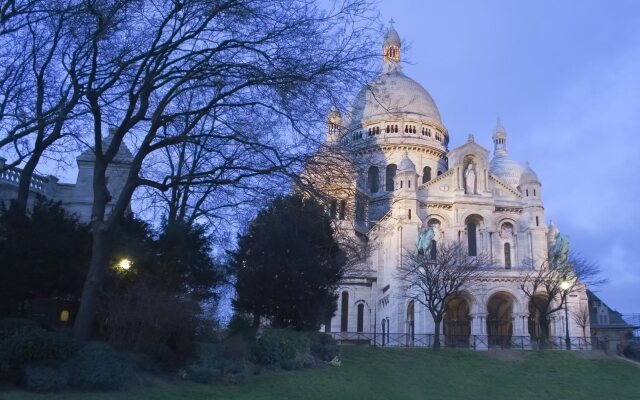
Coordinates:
(369, 373)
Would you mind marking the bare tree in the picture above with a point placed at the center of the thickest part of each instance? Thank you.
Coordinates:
(432, 281)
(548, 285)
(38, 95)
(240, 79)
(582, 318)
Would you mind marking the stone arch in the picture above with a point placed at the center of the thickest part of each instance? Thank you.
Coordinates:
(500, 311)
(457, 320)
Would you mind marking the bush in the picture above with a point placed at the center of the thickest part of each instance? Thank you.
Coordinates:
(282, 348)
(9, 326)
(97, 365)
(29, 347)
(323, 347)
(632, 350)
(46, 378)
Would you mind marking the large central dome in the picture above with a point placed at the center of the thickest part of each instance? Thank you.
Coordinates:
(394, 94)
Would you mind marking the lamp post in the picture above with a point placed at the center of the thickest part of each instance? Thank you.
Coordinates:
(564, 285)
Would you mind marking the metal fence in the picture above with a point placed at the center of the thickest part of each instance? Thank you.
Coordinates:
(465, 341)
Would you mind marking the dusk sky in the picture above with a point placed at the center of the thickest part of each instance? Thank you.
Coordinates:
(564, 77)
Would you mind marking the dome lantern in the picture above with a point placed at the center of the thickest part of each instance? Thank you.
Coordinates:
(392, 44)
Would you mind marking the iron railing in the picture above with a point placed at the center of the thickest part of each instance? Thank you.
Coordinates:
(426, 340)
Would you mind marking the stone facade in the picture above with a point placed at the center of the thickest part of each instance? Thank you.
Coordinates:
(76, 198)
(407, 180)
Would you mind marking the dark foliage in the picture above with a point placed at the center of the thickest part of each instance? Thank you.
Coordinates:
(42, 255)
(97, 365)
(150, 320)
(46, 378)
(32, 346)
(288, 265)
(284, 349)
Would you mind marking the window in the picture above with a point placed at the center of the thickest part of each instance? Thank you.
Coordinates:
(439, 173)
(537, 221)
(433, 250)
(426, 174)
(534, 192)
(333, 208)
(471, 239)
(373, 179)
(343, 208)
(527, 192)
(391, 173)
(360, 327)
(409, 213)
(344, 312)
(507, 256)
(384, 330)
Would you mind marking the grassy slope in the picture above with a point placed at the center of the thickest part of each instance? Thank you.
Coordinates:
(416, 374)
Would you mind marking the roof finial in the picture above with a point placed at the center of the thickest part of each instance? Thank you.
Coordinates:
(391, 22)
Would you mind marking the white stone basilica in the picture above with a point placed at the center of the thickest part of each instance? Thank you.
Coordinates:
(408, 180)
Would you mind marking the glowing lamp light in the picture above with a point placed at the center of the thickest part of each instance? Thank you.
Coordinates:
(124, 264)
(564, 285)
(64, 316)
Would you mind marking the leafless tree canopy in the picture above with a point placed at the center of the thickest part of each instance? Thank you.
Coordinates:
(433, 281)
(548, 285)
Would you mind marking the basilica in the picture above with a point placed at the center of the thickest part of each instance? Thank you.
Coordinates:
(406, 181)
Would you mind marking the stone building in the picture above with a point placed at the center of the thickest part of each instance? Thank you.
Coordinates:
(407, 179)
(76, 198)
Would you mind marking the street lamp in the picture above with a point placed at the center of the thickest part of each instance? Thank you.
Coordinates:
(565, 285)
(124, 264)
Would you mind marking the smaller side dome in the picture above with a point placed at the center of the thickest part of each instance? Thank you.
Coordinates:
(528, 176)
(406, 165)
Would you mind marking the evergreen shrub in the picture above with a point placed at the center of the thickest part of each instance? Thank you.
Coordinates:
(97, 365)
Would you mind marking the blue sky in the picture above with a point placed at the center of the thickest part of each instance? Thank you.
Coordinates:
(564, 77)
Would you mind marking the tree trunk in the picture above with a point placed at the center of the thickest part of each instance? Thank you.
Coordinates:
(24, 183)
(93, 283)
(436, 333)
(544, 332)
(99, 254)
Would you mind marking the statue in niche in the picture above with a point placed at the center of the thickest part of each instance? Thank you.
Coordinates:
(470, 179)
(506, 231)
(424, 240)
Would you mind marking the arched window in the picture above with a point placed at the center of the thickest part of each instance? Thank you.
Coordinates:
(534, 192)
(433, 250)
(360, 327)
(343, 208)
(439, 173)
(409, 214)
(373, 179)
(471, 239)
(537, 221)
(507, 256)
(391, 173)
(426, 174)
(527, 192)
(344, 313)
(411, 321)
